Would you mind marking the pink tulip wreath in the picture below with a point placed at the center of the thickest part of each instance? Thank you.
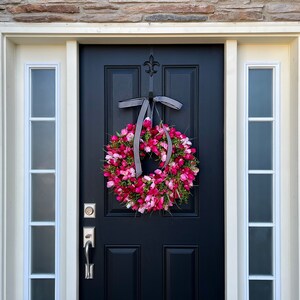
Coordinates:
(158, 190)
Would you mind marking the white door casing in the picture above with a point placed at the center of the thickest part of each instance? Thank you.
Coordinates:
(237, 51)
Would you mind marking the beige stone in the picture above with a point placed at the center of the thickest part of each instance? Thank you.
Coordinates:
(147, 1)
(100, 7)
(10, 1)
(110, 18)
(171, 8)
(285, 17)
(237, 16)
(283, 7)
(175, 18)
(44, 18)
(41, 8)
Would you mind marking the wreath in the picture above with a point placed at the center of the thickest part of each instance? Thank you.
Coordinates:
(167, 185)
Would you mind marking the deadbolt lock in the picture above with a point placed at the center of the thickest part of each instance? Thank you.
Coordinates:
(89, 210)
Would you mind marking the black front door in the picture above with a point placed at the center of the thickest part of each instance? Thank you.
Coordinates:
(157, 256)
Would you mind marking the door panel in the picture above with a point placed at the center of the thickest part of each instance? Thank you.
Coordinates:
(157, 256)
(126, 78)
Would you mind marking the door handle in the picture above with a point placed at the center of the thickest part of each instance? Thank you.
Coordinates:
(89, 268)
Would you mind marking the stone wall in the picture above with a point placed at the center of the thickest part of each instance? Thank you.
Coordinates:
(148, 10)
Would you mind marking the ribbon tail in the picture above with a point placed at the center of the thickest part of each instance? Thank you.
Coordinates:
(131, 102)
(168, 102)
(136, 141)
(170, 147)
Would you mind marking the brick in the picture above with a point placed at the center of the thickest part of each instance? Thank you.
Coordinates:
(237, 16)
(283, 8)
(43, 8)
(171, 8)
(44, 18)
(175, 18)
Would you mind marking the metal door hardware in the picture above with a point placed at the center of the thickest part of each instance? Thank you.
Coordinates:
(89, 210)
(89, 235)
(89, 268)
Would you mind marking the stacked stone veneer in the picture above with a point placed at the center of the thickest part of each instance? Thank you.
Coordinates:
(148, 11)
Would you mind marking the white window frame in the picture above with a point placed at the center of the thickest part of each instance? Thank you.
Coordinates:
(275, 225)
(27, 180)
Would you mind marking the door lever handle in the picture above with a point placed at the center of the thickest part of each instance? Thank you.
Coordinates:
(89, 268)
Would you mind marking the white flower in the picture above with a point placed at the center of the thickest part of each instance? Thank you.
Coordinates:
(128, 205)
(164, 157)
(147, 178)
(195, 170)
(186, 141)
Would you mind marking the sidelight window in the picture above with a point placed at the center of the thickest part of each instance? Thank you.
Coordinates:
(262, 182)
(42, 192)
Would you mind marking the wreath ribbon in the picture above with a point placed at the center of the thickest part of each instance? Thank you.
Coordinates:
(148, 108)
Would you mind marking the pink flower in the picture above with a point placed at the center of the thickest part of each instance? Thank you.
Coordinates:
(114, 138)
(147, 178)
(110, 184)
(164, 145)
(116, 155)
(147, 122)
(147, 149)
(158, 171)
(181, 162)
(130, 127)
(124, 131)
(141, 210)
(171, 185)
(130, 136)
(183, 177)
(155, 150)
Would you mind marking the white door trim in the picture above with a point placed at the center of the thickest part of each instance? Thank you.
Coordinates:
(231, 34)
(230, 199)
(72, 182)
